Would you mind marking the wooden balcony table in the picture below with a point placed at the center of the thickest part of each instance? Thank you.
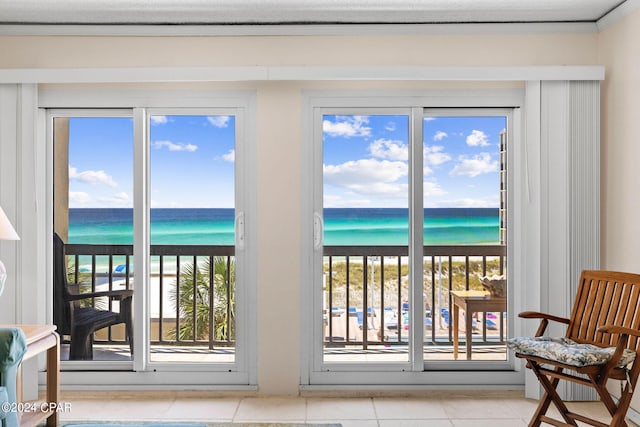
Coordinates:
(472, 302)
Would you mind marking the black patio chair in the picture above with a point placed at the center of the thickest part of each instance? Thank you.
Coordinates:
(78, 321)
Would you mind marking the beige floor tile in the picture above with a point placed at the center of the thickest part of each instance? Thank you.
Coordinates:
(595, 410)
(143, 410)
(118, 410)
(451, 411)
(85, 410)
(523, 407)
(351, 423)
(415, 423)
(478, 409)
(340, 409)
(271, 409)
(213, 410)
(489, 423)
(409, 408)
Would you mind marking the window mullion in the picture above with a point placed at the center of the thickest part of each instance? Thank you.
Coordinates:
(416, 240)
(141, 238)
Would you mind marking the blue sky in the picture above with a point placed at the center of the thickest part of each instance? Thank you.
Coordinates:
(192, 162)
(366, 161)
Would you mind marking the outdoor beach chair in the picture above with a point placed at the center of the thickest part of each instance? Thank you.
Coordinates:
(601, 344)
(81, 321)
(390, 318)
(444, 312)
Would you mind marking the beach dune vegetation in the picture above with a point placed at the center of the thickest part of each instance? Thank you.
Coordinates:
(447, 273)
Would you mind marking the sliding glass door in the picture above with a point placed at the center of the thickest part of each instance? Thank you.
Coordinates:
(464, 229)
(365, 168)
(93, 219)
(192, 227)
(412, 233)
(177, 202)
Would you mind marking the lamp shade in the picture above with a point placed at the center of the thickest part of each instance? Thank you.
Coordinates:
(6, 229)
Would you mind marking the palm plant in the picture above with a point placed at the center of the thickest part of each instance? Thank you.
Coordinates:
(191, 295)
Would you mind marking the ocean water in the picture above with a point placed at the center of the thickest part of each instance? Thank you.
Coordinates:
(390, 226)
(345, 226)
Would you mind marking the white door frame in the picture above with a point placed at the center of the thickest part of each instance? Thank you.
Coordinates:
(145, 373)
(314, 373)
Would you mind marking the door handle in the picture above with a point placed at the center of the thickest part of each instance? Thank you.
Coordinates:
(240, 231)
(318, 231)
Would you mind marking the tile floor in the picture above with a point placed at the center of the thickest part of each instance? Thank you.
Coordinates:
(443, 409)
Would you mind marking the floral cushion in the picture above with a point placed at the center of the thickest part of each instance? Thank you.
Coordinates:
(568, 351)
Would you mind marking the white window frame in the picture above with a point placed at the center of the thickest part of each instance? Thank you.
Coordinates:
(142, 372)
(314, 373)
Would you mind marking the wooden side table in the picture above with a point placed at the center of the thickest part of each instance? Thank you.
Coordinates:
(472, 302)
(42, 338)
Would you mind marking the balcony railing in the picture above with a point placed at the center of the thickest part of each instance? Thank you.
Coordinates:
(374, 280)
(358, 279)
(200, 310)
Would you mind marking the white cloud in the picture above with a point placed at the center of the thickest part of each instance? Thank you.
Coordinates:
(434, 155)
(368, 176)
(347, 126)
(440, 135)
(335, 201)
(172, 204)
(391, 126)
(477, 138)
(387, 189)
(219, 121)
(159, 120)
(172, 146)
(468, 202)
(431, 189)
(473, 166)
(230, 156)
(121, 199)
(91, 177)
(429, 119)
(78, 198)
(389, 149)
(364, 171)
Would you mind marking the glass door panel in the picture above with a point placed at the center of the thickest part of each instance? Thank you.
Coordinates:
(366, 218)
(93, 217)
(465, 234)
(192, 265)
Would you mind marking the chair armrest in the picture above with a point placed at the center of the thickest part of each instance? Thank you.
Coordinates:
(119, 294)
(621, 345)
(538, 315)
(612, 329)
(544, 320)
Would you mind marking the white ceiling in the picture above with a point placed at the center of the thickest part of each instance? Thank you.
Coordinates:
(300, 11)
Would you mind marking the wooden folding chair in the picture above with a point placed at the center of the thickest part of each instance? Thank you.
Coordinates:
(601, 344)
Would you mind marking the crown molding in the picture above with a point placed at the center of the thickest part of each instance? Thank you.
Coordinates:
(295, 30)
(303, 73)
(617, 14)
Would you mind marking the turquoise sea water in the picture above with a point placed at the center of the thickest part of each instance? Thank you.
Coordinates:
(346, 226)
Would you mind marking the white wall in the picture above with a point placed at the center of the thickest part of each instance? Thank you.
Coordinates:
(474, 49)
(618, 51)
(620, 204)
(279, 135)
